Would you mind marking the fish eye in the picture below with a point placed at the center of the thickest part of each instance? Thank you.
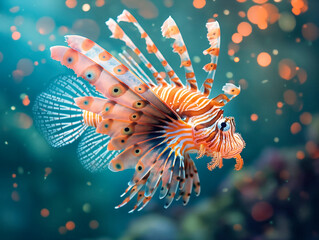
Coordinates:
(223, 125)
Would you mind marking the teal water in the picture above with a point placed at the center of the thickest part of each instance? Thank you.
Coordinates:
(275, 195)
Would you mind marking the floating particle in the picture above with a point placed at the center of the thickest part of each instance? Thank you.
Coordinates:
(254, 117)
(237, 227)
(280, 104)
(300, 155)
(89, 183)
(14, 9)
(41, 47)
(99, 3)
(196, 59)
(26, 100)
(14, 175)
(71, 3)
(263, 59)
(302, 76)
(243, 83)
(236, 59)
(305, 118)
(257, 15)
(62, 230)
(241, 14)
(229, 75)
(276, 139)
(237, 38)
(241, 1)
(15, 196)
(148, 10)
(264, 81)
(94, 224)
(287, 22)
(310, 31)
(45, 212)
(262, 211)
(47, 172)
(86, 208)
(199, 3)
(6, 142)
(20, 170)
(15, 185)
(244, 28)
(86, 7)
(278, 111)
(290, 97)
(287, 69)
(16, 35)
(86, 27)
(70, 225)
(283, 193)
(13, 108)
(275, 52)
(295, 128)
(23, 120)
(26, 66)
(1, 57)
(272, 13)
(63, 30)
(225, 190)
(168, 3)
(226, 12)
(45, 25)
(299, 6)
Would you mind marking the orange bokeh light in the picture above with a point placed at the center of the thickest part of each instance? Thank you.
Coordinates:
(254, 117)
(237, 38)
(300, 155)
(257, 15)
(295, 128)
(305, 118)
(244, 28)
(16, 35)
(264, 59)
(290, 97)
(70, 225)
(199, 3)
(45, 212)
(287, 69)
(310, 31)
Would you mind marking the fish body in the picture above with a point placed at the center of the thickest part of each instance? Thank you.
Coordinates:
(127, 119)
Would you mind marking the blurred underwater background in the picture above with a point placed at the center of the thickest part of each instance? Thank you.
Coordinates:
(268, 47)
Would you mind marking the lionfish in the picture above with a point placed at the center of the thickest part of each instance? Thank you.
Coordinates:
(129, 120)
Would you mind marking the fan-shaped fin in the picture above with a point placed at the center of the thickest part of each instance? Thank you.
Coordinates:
(56, 114)
(120, 73)
(109, 85)
(92, 151)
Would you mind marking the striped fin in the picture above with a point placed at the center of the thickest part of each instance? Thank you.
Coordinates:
(137, 66)
(151, 48)
(191, 180)
(56, 114)
(118, 33)
(113, 69)
(134, 67)
(213, 37)
(170, 30)
(92, 151)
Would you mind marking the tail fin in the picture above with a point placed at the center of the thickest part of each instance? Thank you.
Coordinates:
(56, 114)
